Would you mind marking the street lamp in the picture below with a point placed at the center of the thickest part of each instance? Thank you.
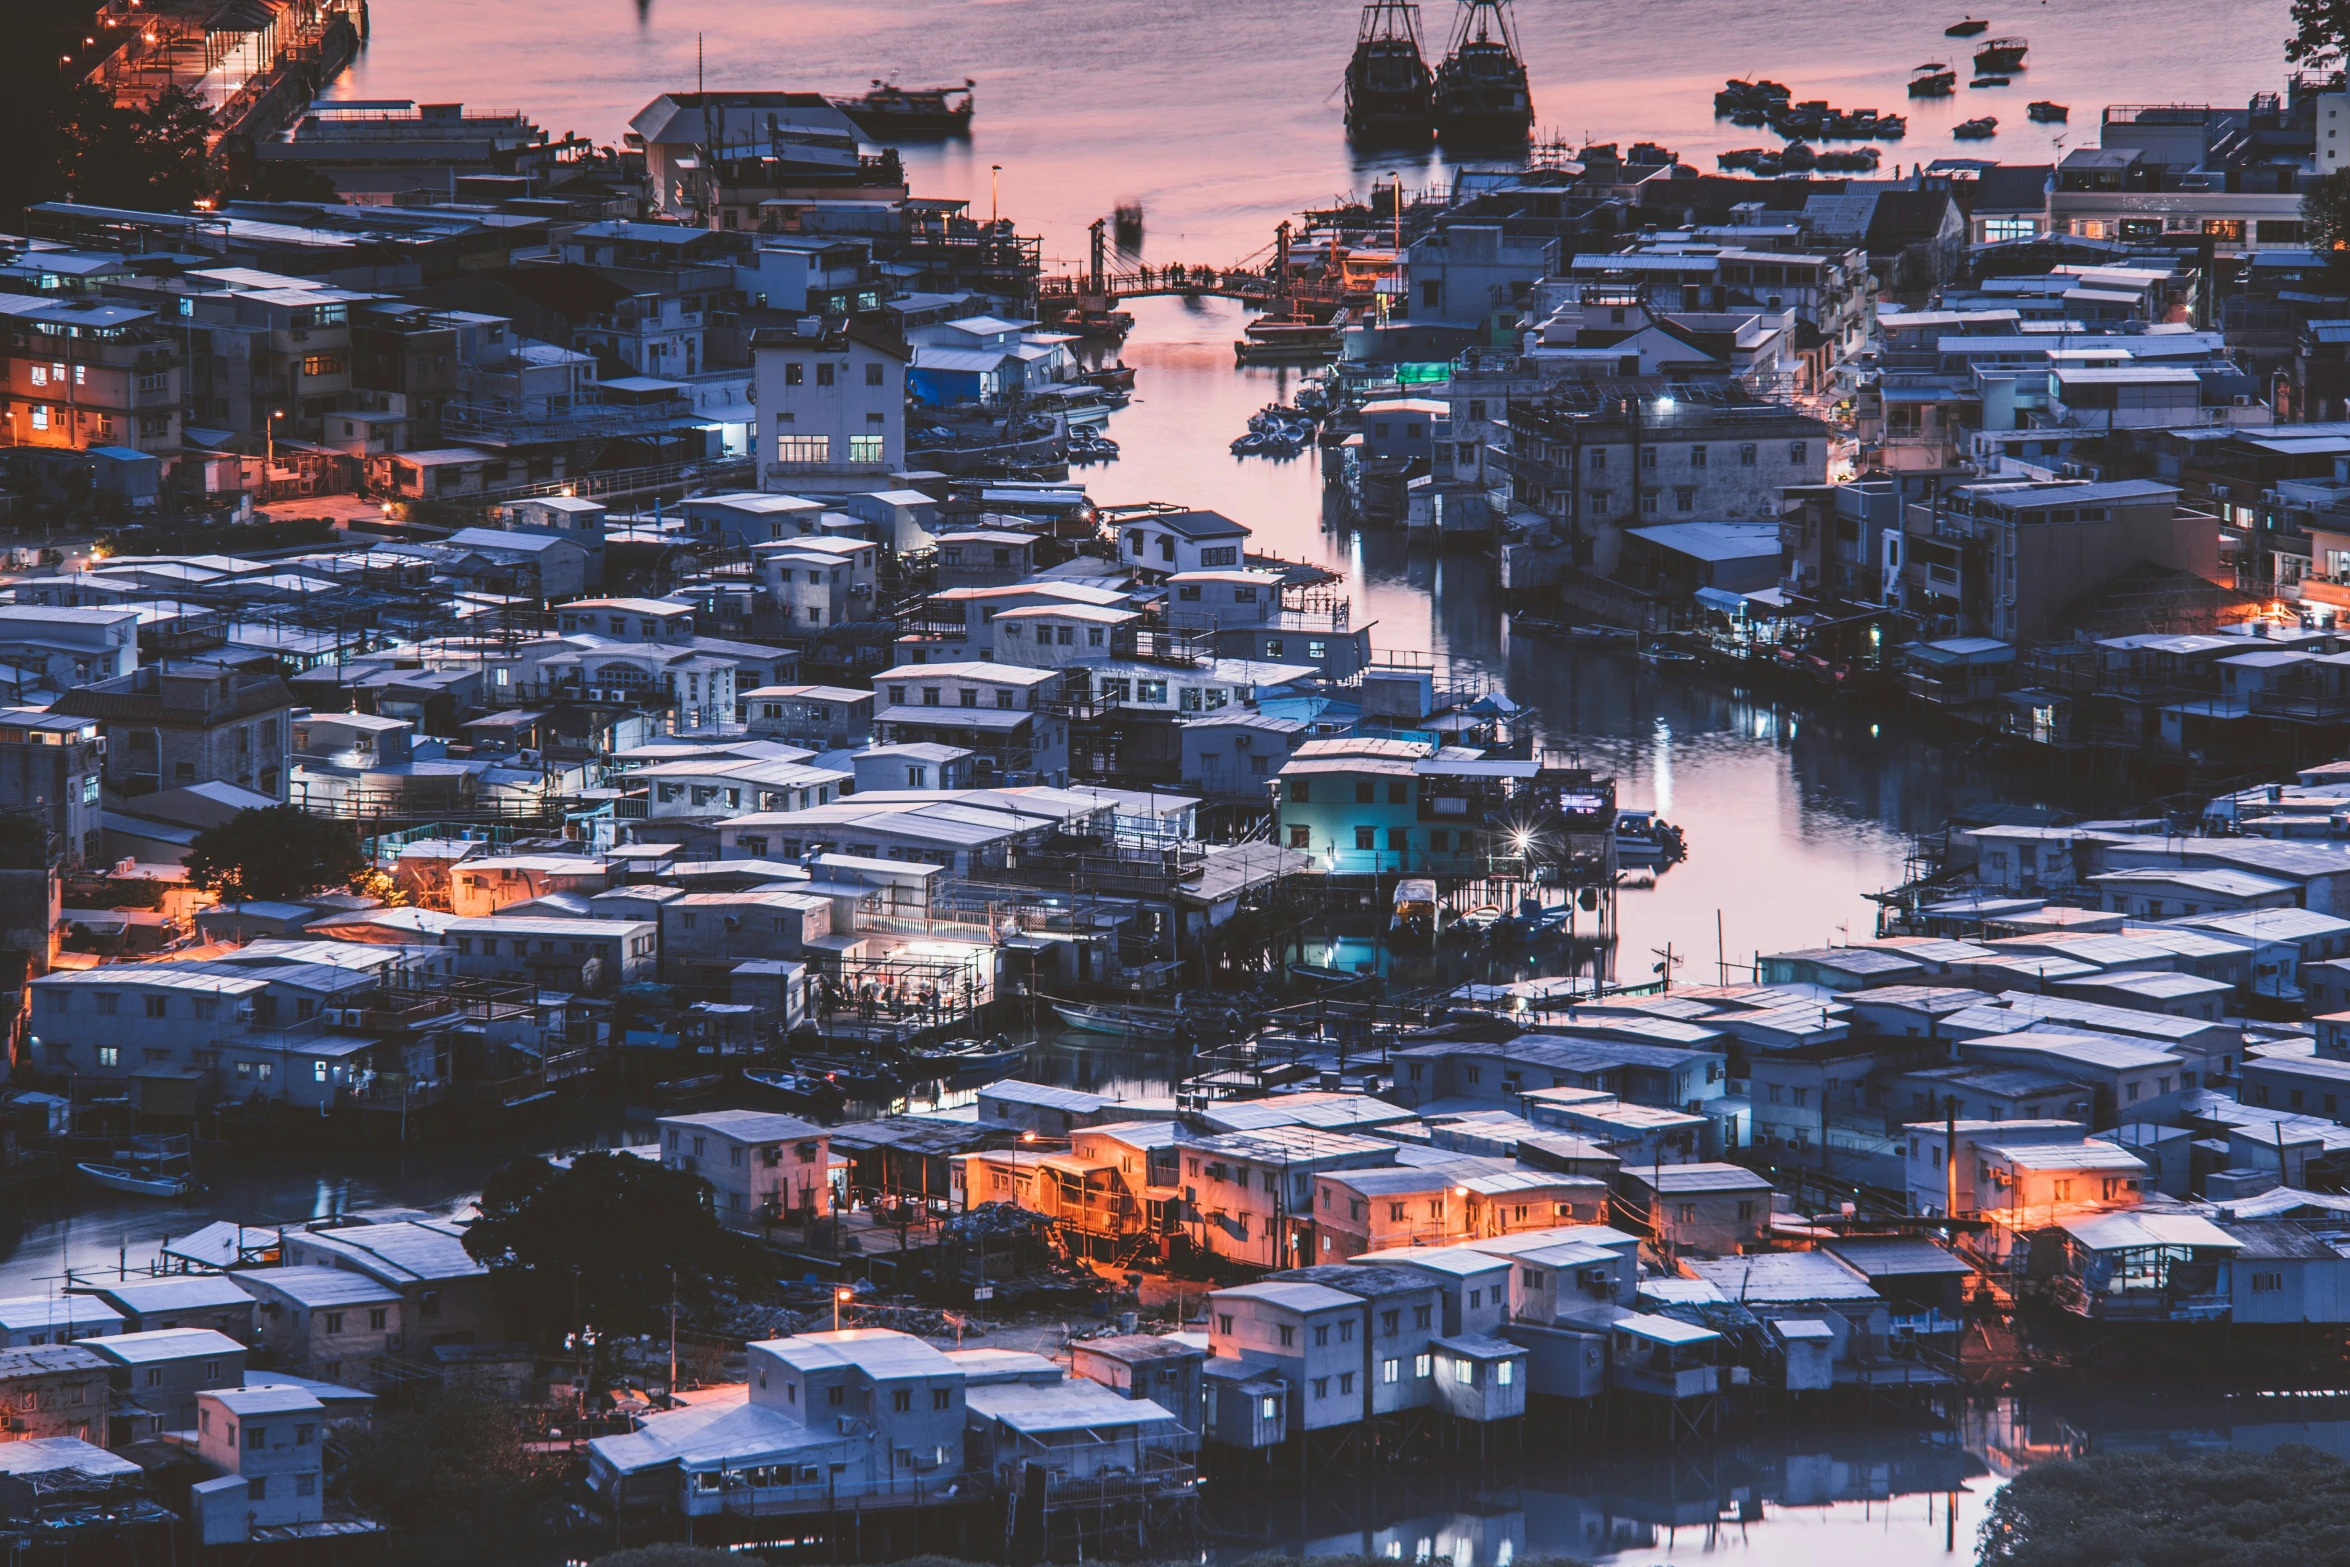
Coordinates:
(838, 1296)
(583, 1352)
(993, 170)
(269, 447)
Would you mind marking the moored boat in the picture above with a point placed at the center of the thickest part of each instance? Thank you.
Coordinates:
(888, 110)
(1323, 976)
(858, 1077)
(1966, 29)
(966, 1063)
(2000, 55)
(123, 1178)
(1976, 130)
(1988, 81)
(1390, 94)
(1129, 1022)
(1935, 84)
(1481, 92)
(795, 1090)
(2049, 113)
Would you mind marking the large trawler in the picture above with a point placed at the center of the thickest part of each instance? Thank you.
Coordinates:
(1390, 96)
(1481, 92)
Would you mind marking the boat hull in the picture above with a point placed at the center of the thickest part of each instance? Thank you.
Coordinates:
(117, 1179)
(1120, 1024)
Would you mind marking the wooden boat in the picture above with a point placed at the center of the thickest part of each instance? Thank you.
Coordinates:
(1939, 84)
(2001, 54)
(2049, 113)
(889, 110)
(1989, 81)
(796, 1090)
(1328, 978)
(1658, 653)
(1118, 377)
(1976, 130)
(1481, 91)
(1128, 1022)
(122, 1178)
(682, 1090)
(1390, 94)
(1966, 29)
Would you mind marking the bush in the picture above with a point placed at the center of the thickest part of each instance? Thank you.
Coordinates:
(2152, 1510)
(456, 1462)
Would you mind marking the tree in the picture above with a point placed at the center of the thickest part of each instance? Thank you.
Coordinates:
(279, 179)
(2321, 31)
(274, 854)
(610, 1228)
(2291, 1504)
(456, 1462)
(2325, 214)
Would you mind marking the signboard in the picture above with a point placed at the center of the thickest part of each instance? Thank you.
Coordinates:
(984, 1292)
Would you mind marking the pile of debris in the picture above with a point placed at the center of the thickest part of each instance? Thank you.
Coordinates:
(993, 1221)
(921, 1321)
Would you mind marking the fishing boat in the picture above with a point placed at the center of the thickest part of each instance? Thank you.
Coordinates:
(1117, 378)
(1936, 84)
(1989, 81)
(966, 1063)
(889, 110)
(2001, 55)
(1660, 653)
(2049, 113)
(1966, 29)
(685, 1090)
(795, 1090)
(1128, 1022)
(140, 1183)
(1390, 95)
(1481, 92)
(1976, 130)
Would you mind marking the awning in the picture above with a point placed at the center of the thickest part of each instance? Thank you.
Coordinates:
(1722, 599)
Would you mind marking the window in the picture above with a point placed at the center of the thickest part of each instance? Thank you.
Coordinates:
(834, 1397)
(941, 1398)
(1322, 1336)
(256, 1439)
(1684, 499)
(1505, 1372)
(1346, 1382)
(334, 1322)
(305, 1484)
(803, 448)
(156, 1007)
(2267, 1283)
(1390, 1370)
(1476, 1299)
(1797, 451)
(322, 364)
(1288, 1335)
(1746, 455)
(1301, 837)
(902, 1400)
(1223, 1319)
(1366, 837)
(1321, 1387)
(1696, 456)
(377, 1316)
(1464, 1371)
(873, 375)
(1421, 1365)
(108, 1055)
(257, 1486)
(1422, 1316)
(865, 448)
(826, 375)
(1346, 1332)
(305, 1435)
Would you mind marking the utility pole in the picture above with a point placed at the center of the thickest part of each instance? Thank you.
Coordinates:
(673, 1335)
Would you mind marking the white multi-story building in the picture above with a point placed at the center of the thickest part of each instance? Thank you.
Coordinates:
(762, 1167)
(832, 405)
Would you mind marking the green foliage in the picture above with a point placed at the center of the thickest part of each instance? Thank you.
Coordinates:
(2152, 1510)
(612, 1227)
(273, 854)
(459, 1462)
(2321, 31)
(283, 180)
